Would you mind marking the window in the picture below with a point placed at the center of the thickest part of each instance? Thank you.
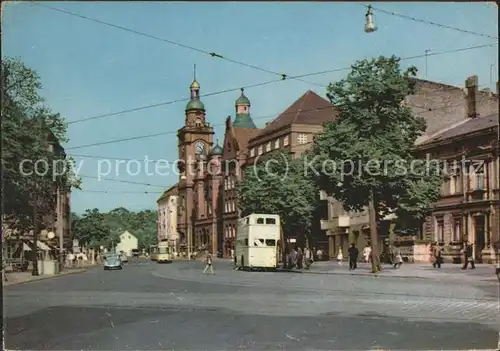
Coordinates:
(285, 141)
(260, 220)
(440, 229)
(455, 180)
(260, 150)
(246, 242)
(252, 152)
(457, 229)
(268, 147)
(229, 146)
(302, 138)
(277, 144)
(270, 242)
(270, 221)
(479, 172)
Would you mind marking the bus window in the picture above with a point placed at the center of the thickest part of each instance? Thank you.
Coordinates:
(270, 242)
(270, 221)
(163, 250)
(260, 220)
(258, 242)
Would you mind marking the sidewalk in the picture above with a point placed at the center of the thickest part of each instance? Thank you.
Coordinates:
(26, 277)
(450, 272)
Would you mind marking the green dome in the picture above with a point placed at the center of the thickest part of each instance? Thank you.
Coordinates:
(243, 120)
(242, 100)
(217, 150)
(195, 104)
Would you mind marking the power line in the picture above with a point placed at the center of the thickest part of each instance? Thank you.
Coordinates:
(122, 181)
(269, 82)
(282, 76)
(119, 192)
(429, 22)
(223, 124)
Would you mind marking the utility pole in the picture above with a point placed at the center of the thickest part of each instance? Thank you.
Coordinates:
(35, 232)
(426, 53)
(373, 234)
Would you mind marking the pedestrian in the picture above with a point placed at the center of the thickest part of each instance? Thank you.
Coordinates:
(208, 263)
(367, 252)
(308, 257)
(319, 254)
(398, 259)
(353, 257)
(300, 258)
(340, 256)
(293, 256)
(468, 256)
(438, 259)
(314, 254)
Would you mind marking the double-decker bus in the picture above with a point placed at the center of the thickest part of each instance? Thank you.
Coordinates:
(257, 240)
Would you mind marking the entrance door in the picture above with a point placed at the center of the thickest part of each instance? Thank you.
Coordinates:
(479, 237)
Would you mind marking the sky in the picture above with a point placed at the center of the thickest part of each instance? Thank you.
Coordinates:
(89, 69)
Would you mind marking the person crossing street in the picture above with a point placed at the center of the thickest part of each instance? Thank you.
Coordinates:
(208, 263)
(353, 257)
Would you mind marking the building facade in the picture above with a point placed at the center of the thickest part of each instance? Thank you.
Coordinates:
(469, 207)
(167, 217)
(445, 109)
(128, 242)
(207, 200)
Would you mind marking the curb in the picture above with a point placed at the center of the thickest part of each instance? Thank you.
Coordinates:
(378, 275)
(44, 277)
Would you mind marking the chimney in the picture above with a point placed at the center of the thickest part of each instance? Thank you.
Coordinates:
(472, 89)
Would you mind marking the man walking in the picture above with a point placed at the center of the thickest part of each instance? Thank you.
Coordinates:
(353, 257)
(208, 263)
(468, 256)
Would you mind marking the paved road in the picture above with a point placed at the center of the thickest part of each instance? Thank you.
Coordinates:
(165, 307)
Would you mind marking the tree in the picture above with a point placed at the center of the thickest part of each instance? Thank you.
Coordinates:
(277, 185)
(27, 129)
(92, 230)
(364, 158)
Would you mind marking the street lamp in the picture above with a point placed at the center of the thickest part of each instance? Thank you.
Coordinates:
(370, 25)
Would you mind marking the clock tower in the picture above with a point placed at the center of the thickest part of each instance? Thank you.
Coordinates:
(195, 140)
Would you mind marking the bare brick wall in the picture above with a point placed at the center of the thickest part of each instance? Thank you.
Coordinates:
(444, 105)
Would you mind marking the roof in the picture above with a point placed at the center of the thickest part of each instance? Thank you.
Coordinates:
(127, 233)
(195, 104)
(310, 108)
(243, 120)
(243, 136)
(242, 100)
(469, 126)
(170, 191)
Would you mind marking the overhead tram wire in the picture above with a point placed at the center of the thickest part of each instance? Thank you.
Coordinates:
(282, 76)
(254, 118)
(400, 15)
(269, 82)
(122, 181)
(119, 191)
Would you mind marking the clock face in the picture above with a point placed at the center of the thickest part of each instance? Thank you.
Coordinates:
(199, 147)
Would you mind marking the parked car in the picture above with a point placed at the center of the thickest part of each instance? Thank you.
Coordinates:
(123, 257)
(112, 262)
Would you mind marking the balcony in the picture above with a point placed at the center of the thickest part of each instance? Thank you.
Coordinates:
(336, 222)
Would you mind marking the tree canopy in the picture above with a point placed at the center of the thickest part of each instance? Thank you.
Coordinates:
(277, 185)
(95, 229)
(368, 149)
(30, 132)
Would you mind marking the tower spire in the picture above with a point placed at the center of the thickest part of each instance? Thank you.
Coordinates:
(194, 72)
